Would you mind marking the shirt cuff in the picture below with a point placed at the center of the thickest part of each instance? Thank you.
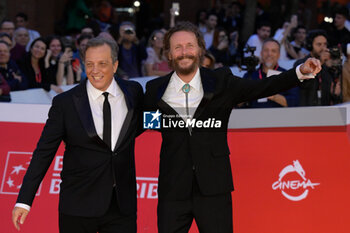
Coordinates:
(24, 206)
(301, 76)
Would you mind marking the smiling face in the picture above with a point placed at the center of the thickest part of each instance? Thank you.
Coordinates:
(184, 52)
(99, 66)
(38, 49)
(270, 54)
(55, 47)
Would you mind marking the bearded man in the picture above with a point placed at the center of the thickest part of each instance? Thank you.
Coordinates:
(195, 180)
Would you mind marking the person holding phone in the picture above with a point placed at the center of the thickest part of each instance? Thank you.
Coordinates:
(131, 52)
(33, 67)
(77, 62)
(58, 61)
(220, 48)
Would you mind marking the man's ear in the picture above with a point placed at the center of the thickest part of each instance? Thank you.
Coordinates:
(167, 54)
(115, 66)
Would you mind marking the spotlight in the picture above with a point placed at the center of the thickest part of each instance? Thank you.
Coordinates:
(137, 4)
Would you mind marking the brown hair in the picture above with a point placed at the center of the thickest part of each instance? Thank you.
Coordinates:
(216, 37)
(187, 27)
(211, 59)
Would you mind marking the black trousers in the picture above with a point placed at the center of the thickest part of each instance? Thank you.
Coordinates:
(111, 222)
(213, 214)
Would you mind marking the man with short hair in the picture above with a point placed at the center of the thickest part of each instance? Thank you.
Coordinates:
(97, 120)
(21, 39)
(211, 22)
(8, 27)
(299, 42)
(339, 34)
(21, 20)
(270, 54)
(256, 40)
(195, 180)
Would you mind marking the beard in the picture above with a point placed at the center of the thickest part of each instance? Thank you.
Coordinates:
(175, 63)
(269, 65)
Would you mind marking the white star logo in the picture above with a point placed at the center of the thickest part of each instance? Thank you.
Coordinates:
(10, 182)
(155, 115)
(17, 169)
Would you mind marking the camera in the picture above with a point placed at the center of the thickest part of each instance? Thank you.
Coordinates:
(249, 63)
(335, 52)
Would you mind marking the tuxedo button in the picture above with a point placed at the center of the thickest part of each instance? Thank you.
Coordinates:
(114, 154)
(193, 168)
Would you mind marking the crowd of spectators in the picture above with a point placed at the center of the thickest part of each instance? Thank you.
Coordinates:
(30, 60)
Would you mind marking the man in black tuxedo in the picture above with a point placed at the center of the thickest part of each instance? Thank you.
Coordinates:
(195, 180)
(97, 121)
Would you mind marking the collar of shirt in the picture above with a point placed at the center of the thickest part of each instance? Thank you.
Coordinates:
(195, 83)
(95, 93)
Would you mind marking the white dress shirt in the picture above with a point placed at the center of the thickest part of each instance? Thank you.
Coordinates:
(176, 98)
(254, 41)
(118, 113)
(118, 108)
(173, 95)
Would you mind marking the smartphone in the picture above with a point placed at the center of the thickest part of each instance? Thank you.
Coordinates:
(176, 7)
(75, 63)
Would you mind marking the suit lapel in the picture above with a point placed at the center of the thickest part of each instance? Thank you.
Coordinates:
(81, 101)
(165, 107)
(129, 100)
(208, 83)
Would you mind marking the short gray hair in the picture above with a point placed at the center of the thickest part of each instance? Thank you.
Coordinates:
(100, 41)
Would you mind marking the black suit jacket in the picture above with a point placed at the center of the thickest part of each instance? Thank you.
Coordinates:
(90, 168)
(308, 95)
(204, 156)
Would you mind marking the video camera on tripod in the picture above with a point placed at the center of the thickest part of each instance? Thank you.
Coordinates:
(249, 63)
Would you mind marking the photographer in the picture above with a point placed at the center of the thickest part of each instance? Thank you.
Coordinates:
(131, 52)
(270, 54)
(322, 90)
